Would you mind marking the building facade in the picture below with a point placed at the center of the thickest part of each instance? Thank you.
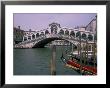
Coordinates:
(92, 26)
(18, 35)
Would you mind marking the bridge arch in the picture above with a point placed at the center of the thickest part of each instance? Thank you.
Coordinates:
(37, 35)
(45, 41)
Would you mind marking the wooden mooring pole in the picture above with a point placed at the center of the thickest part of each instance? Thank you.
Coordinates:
(80, 49)
(53, 59)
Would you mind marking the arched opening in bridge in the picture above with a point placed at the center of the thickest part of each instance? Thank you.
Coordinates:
(78, 34)
(37, 35)
(33, 36)
(90, 37)
(25, 38)
(72, 34)
(84, 36)
(42, 34)
(46, 32)
(66, 32)
(61, 32)
(29, 37)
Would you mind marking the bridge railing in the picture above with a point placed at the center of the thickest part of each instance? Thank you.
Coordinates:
(29, 41)
(50, 36)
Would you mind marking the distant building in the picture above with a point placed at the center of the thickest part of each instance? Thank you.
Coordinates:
(18, 35)
(30, 32)
(92, 26)
(82, 29)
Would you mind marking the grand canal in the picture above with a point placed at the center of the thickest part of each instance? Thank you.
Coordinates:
(36, 61)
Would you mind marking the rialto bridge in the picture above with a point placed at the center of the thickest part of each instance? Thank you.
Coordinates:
(56, 32)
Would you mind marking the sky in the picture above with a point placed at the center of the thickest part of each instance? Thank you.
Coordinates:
(40, 21)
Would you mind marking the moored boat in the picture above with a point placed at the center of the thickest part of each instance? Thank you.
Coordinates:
(87, 70)
(75, 64)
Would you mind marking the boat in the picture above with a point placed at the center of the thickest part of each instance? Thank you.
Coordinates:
(90, 57)
(74, 62)
(85, 69)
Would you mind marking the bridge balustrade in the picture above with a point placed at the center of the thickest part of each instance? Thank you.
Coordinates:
(41, 37)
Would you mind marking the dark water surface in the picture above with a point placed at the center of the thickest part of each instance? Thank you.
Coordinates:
(37, 62)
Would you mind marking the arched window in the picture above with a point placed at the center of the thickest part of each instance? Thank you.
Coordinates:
(46, 32)
(29, 37)
(90, 37)
(72, 34)
(83, 36)
(33, 36)
(78, 34)
(42, 33)
(37, 35)
(66, 32)
(25, 38)
(61, 32)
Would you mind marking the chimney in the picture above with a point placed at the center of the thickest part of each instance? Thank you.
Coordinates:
(18, 27)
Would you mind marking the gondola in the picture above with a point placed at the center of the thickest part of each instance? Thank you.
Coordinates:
(74, 63)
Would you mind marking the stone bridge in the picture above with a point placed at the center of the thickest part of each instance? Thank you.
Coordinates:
(55, 32)
(41, 41)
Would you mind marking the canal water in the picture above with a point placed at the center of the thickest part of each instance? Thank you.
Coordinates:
(37, 61)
